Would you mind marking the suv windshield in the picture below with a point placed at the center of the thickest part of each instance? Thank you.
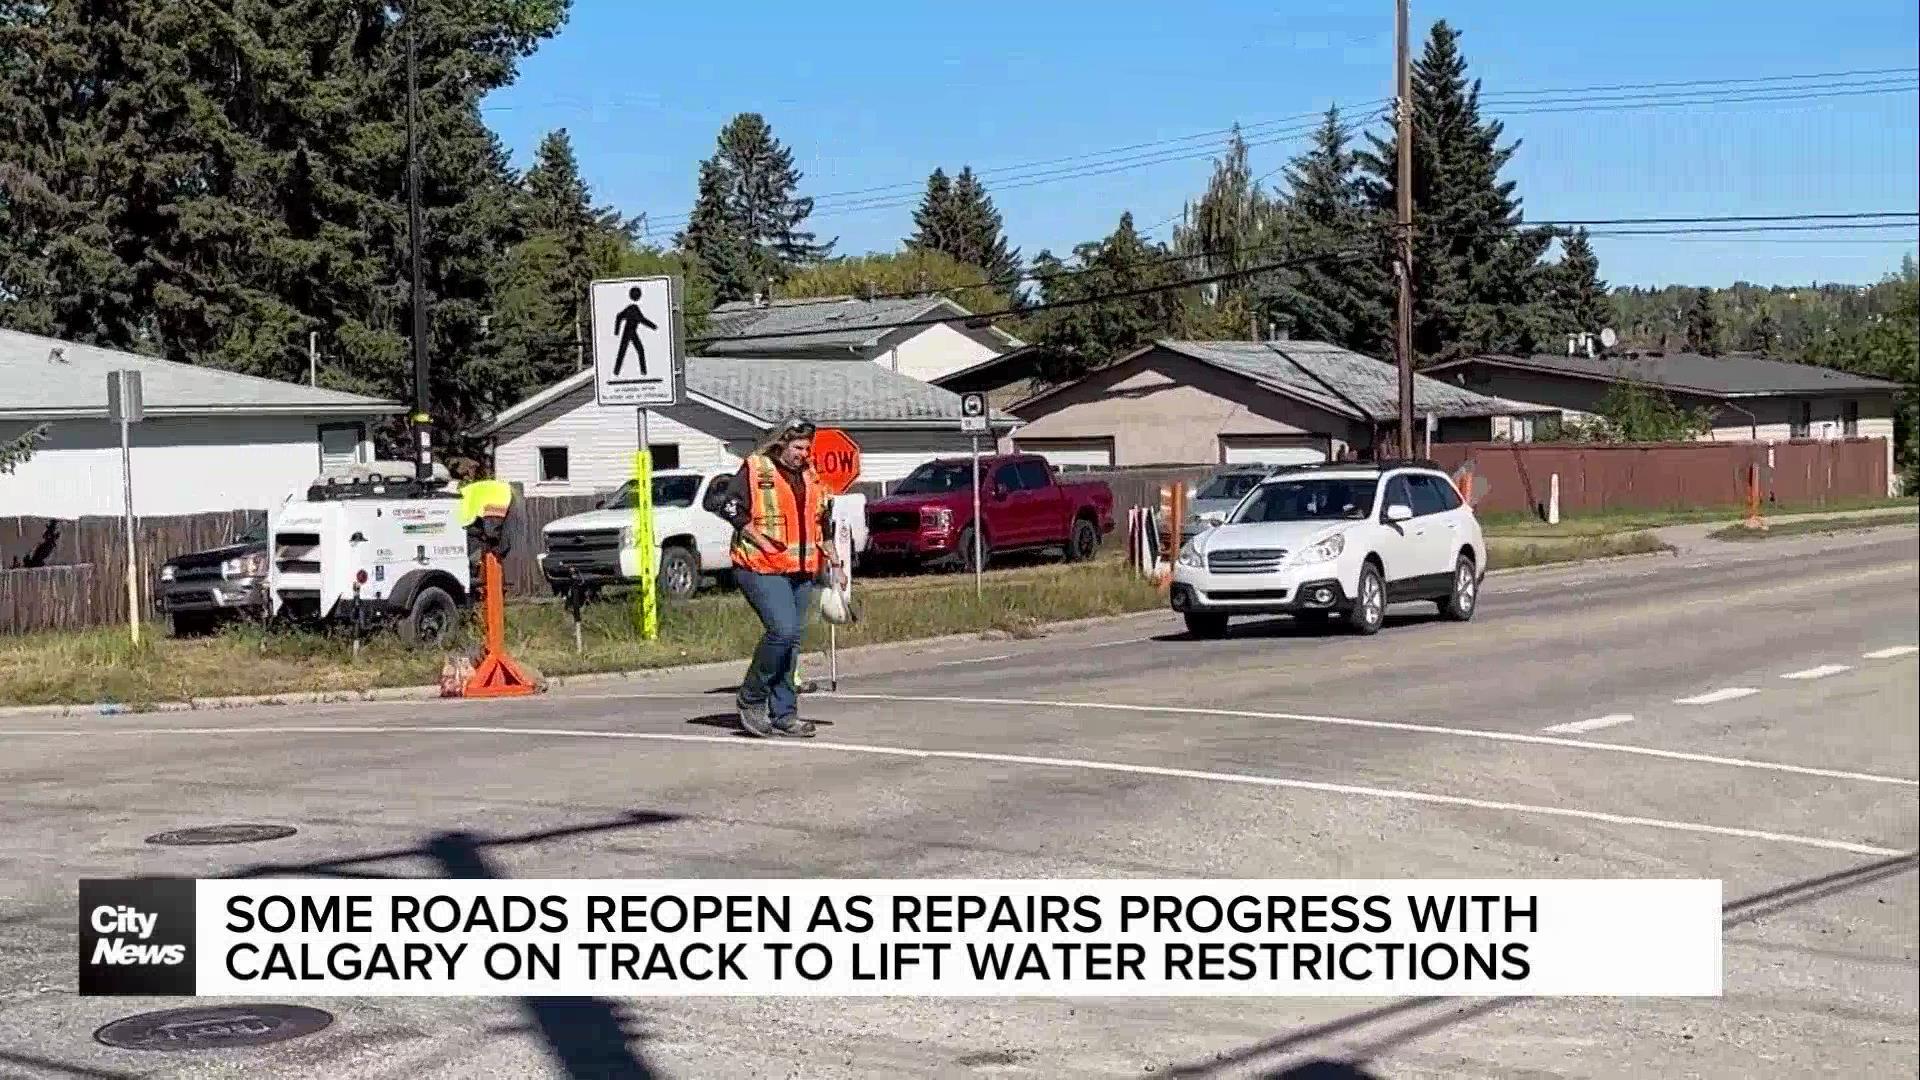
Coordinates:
(936, 478)
(1229, 486)
(675, 492)
(1318, 499)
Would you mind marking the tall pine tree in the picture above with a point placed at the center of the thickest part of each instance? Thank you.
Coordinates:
(746, 228)
(958, 219)
(1077, 339)
(1478, 280)
(1325, 297)
(1580, 304)
(1703, 325)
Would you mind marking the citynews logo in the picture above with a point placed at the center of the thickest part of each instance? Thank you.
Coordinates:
(136, 937)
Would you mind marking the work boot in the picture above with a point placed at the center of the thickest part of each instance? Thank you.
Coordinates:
(753, 718)
(792, 727)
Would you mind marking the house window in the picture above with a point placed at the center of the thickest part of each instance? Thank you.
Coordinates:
(665, 455)
(553, 465)
(340, 447)
(1802, 419)
(1850, 419)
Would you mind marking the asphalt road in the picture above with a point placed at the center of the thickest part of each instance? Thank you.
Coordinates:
(1746, 713)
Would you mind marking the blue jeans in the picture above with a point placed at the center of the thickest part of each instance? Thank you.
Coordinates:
(783, 602)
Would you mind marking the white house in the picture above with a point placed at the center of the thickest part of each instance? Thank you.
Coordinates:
(924, 337)
(211, 440)
(559, 442)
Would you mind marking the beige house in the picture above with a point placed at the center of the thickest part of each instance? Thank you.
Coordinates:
(1213, 402)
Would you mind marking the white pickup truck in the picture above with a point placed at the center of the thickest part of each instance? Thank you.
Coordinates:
(597, 548)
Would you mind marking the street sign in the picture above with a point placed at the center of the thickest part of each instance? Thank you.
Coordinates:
(836, 459)
(637, 341)
(973, 414)
(125, 402)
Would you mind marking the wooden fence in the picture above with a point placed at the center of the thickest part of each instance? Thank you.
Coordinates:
(59, 574)
(1664, 476)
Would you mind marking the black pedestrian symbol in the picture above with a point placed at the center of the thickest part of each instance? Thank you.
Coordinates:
(627, 324)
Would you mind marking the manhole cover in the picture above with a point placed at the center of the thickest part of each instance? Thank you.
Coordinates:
(222, 834)
(219, 1028)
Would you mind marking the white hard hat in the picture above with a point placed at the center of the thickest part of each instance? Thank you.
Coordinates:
(836, 607)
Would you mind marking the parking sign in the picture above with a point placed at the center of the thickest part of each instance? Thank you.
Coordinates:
(973, 413)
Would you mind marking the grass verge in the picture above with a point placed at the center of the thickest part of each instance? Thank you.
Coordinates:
(1508, 553)
(1778, 529)
(102, 666)
(1618, 521)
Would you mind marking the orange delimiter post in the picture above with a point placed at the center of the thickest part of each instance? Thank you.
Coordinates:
(497, 675)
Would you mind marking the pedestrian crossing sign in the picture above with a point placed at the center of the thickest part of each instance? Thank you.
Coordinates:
(637, 341)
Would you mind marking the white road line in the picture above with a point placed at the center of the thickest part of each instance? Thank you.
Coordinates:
(1343, 721)
(975, 660)
(1577, 726)
(1248, 779)
(1715, 697)
(1112, 644)
(1888, 654)
(1820, 672)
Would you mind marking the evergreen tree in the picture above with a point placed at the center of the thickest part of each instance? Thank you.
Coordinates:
(1080, 338)
(1703, 327)
(957, 218)
(1478, 280)
(211, 180)
(745, 228)
(1763, 336)
(14, 452)
(1341, 301)
(1580, 304)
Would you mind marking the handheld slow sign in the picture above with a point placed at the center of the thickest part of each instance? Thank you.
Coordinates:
(836, 459)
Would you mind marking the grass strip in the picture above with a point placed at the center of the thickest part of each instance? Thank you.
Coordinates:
(1776, 529)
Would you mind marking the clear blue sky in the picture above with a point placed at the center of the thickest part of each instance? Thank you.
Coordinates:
(875, 95)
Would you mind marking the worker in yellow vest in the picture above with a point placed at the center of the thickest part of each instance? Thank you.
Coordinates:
(781, 514)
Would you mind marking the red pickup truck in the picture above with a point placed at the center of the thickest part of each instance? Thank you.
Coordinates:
(1023, 504)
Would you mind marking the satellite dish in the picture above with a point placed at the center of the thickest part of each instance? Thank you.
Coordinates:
(1608, 339)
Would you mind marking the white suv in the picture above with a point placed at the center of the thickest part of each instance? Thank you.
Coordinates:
(1335, 539)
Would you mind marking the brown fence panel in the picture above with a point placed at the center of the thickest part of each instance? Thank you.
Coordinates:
(46, 598)
(1517, 477)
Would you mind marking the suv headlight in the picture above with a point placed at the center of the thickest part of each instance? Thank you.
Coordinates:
(252, 565)
(1189, 556)
(166, 572)
(1324, 551)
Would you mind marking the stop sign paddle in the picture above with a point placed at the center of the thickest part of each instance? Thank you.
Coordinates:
(836, 459)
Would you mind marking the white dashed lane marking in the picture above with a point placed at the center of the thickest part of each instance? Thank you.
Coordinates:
(1595, 724)
(1888, 654)
(976, 660)
(1715, 697)
(1820, 672)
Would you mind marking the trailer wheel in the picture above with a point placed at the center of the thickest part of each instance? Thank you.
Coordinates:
(431, 619)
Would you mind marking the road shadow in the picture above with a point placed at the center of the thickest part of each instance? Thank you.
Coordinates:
(592, 1039)
(1285, 627)
(1443, 1013)
(728, 721)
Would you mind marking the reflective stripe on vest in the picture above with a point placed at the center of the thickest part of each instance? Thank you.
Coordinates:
(774, 511)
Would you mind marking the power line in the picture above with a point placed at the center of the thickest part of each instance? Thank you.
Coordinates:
(1268, 245)
(1674, 226)
(1094, 159)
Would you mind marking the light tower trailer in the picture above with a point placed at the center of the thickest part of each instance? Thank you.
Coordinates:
(386, 550)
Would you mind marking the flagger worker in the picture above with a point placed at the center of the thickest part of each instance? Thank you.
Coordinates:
(783, 528)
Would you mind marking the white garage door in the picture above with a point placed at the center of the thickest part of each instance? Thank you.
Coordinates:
(1246, 451)
(1070, 453)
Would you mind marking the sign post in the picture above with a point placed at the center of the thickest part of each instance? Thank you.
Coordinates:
(638, 360)
(836, 462)
(973, 421)
(125, 405)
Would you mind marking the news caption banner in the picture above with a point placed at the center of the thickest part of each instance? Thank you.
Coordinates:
(888, 938)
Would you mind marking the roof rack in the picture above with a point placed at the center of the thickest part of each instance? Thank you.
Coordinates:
(1380, 465)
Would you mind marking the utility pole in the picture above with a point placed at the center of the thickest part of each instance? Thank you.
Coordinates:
(416, 236)
(1403, 263)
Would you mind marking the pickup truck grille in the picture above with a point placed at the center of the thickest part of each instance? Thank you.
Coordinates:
(585, 553)
(893, 520)
(297, 553)
(1246, 560)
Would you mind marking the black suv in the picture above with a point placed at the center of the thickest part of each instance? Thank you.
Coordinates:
(201, 589)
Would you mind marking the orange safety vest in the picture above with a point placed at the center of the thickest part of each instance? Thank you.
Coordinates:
(773, 509)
